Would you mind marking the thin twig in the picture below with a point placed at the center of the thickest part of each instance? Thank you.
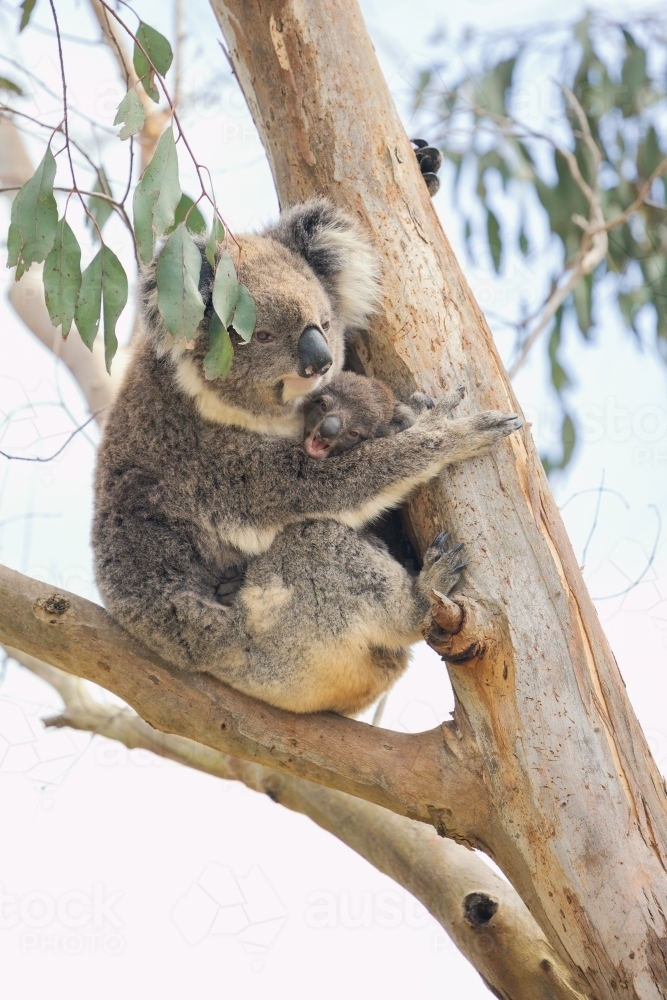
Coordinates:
(27, 458)
(66, 123)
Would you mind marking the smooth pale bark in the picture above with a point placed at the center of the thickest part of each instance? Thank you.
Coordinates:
(481, 913)
(579, 819)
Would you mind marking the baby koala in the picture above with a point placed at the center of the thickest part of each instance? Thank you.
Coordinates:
(353, 408)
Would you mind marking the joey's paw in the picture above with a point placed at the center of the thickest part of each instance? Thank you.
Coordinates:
(449, 402)
(452, 399)
(443, 565)
(420, 401)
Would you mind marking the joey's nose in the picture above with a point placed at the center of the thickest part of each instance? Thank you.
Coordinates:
(329, 427)
(314, 355)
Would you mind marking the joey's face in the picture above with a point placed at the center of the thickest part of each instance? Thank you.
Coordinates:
(297, 345)
(343, 414)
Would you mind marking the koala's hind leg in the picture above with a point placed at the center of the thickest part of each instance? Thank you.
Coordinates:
(329, 617)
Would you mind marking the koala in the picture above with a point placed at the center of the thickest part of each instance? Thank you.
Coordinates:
(203, 483)
(351, 409)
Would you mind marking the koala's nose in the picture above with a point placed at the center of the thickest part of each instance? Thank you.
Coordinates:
(329, 427)
(314, 355)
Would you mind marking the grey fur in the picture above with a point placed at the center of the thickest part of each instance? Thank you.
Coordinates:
(199, 484)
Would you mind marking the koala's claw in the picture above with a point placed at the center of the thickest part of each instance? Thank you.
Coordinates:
(442, 565)
(420, 401)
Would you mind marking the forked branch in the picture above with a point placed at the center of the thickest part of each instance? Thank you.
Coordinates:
(482, 914)
(433, 776)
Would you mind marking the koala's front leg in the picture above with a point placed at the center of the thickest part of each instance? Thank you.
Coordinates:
(354, 488)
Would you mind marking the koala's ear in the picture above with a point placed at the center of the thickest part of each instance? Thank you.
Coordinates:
(403, 418)
(333, 244)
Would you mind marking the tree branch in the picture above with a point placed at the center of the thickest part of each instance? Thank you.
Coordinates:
(433, 776)
(482, 914)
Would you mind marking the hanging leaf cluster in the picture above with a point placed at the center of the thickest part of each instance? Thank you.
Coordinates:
(163, 217)
(616, 73)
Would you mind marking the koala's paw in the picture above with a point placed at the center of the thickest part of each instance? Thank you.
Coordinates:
(420, 401)
(430, 161)
(442, 567)
(482, 431)
(452, 399)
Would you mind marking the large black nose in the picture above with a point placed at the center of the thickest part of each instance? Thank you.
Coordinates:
(314, 355)
(329, 427)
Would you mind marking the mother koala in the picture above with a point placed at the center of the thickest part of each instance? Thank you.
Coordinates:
(203, 488)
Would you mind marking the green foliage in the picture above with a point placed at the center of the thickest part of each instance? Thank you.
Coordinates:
(187, 212)
(220, 355)
(216, 236)
(100, 208)
(99, 294)
(245, 315)
(179, 300)
(156, 197)
(10, 86)
(27, 7)
(484, 113)
(103, 284)
(159, 53)
(131, 113)
(225, 289)
(34, 218)
(62, 277)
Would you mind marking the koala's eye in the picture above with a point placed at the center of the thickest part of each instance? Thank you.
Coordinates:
(353, 435)
(264, 337)
(326, 324)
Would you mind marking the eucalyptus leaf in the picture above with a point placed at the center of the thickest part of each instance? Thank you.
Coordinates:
(245, 315)
(100, 208)
(114, 296)
(131, 112)
(103, 289)
(194, 221)
(157, 196)
(34, 218)
(89, 304)
(62, 277)
(159, 53)
(10, 86)
(225, 289)
(178, 297)
(27, 7)
(493, 234)
(216, 236)
(218, 360)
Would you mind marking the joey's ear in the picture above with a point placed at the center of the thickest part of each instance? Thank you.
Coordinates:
(335, 247)
(403, 418)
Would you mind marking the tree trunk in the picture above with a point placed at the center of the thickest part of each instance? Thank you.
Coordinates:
(579, 819)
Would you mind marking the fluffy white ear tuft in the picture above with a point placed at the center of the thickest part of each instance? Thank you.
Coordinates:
(333, 244)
